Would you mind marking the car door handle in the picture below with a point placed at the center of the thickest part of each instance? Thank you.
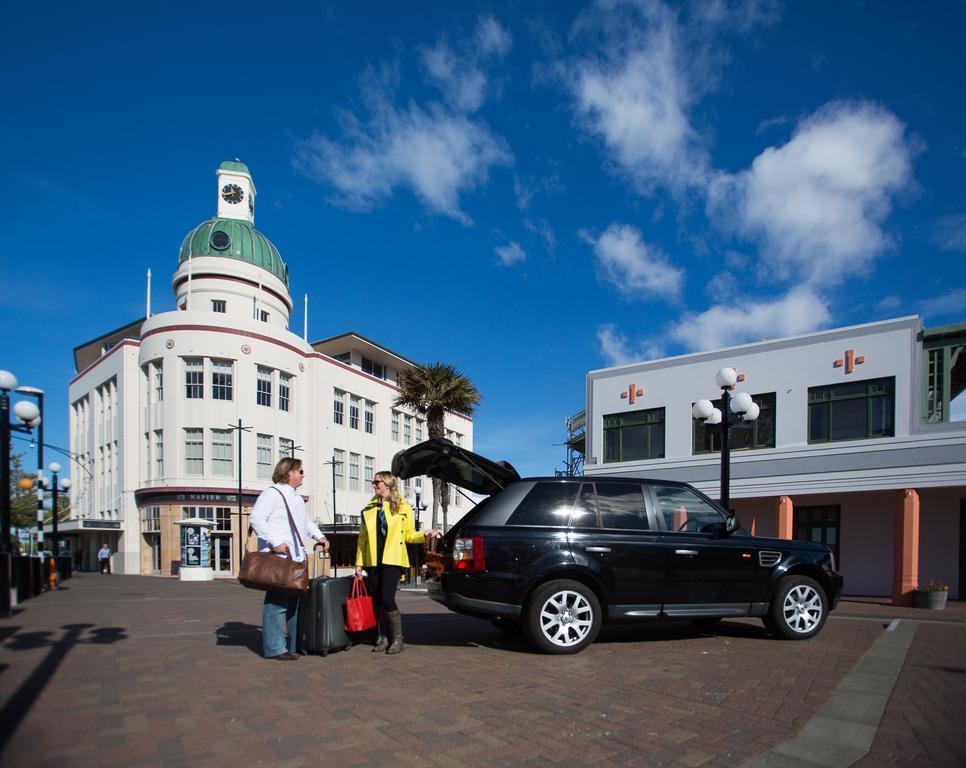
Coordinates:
(596, 549)
(688, 552)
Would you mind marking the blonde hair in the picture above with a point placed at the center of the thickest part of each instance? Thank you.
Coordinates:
(284, 466)
(392, 483)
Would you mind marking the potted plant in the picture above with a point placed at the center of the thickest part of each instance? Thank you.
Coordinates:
(932, 596)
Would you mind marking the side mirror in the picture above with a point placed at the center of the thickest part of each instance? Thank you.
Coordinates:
(731, 525)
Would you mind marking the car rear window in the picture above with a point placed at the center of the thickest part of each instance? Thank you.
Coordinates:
(547, 504)
(621, 506)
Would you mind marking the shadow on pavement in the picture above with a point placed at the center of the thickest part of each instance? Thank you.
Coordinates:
(19, 704)
(238, 633)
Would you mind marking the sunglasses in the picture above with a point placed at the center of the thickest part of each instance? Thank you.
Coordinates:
(377, 483)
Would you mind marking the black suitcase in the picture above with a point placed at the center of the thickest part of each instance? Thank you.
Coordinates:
(321, 622)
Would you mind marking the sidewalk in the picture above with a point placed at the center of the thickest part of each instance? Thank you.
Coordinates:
(141, 671)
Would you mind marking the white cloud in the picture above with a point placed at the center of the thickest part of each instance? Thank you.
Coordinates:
(817, 203)
(617, 350)
(492, 39)
(798, 312)
(633, 267)
(542, 227)
(510, 254)
(950, 233)
(950, 304)
(435, 153)
(636, 99)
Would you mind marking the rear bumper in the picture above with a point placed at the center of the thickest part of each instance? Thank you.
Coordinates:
(471, 606)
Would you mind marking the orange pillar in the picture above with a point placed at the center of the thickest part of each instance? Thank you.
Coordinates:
(905, 571)
(785, 509)
(680, 517)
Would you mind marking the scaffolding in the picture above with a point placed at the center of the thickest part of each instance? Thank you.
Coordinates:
(576, 437)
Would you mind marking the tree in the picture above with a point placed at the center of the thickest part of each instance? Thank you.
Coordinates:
(432, 390)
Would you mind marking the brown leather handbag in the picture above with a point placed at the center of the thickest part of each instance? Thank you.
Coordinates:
(271, 572)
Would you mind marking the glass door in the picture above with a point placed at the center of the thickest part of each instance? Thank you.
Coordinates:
(223, 554)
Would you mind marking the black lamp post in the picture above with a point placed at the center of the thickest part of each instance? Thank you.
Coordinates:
(742, 406)
(242, 535)
(29, 416)
(64, 485)
(39, 395)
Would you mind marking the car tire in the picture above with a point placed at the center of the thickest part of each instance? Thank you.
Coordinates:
(563, 616)
(798, 609)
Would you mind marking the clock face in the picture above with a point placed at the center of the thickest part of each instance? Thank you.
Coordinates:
(232, 193)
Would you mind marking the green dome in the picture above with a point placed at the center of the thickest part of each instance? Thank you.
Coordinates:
(234, 165)
(234, 239)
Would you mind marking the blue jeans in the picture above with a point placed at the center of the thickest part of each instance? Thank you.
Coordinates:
(279, 617)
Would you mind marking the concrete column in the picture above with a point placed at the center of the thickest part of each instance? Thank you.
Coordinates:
(905, 571)
(785, 509)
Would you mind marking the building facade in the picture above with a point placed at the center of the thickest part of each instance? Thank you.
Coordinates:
(860, 443)
(184, 413)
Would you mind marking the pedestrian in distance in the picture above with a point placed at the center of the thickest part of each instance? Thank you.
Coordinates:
(277, 509)
(387, 527)
(104, 559)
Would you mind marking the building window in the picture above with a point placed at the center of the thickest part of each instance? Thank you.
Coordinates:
(221, 380)
(338, 407)
(759, 433)
(263, 456)
(853, 411)
(353, 412)
(286, 448)
(198, 513)
(194, 378)
(419, 430)
(368, 469)
(158, 453)
(338, 469)
(222, 518)
(222, 443)
(263, 387)
(194, 452)
(345, 357)
(407, 430)
(945, 371)
(284, 391)
(819, 524)
(218, 305)
(151, 520)
(394, 426)
(635, 435)
(263, 315)
(370, 417)
(353, 471)
(373, 369)
(158, 381)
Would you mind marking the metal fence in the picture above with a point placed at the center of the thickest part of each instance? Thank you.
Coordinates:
(23, 577)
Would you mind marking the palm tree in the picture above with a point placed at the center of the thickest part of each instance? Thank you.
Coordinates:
(432, 390)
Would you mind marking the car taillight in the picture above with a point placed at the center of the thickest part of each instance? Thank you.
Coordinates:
(468, 554)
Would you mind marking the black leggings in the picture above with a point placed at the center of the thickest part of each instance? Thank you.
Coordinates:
(383, 580)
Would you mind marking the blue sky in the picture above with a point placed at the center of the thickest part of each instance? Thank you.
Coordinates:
(527, 190)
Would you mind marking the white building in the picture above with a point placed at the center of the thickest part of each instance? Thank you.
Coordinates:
(155, 406)
(857, 445)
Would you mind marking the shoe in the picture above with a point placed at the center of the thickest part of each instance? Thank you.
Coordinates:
(287, 656)
(394, 619)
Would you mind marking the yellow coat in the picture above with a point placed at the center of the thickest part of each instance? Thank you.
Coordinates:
(400, 530)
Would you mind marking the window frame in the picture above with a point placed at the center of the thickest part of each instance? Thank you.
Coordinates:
(813, 405)
(194, 378)
(711, 433)
(641, 415)
(263, 386)
(222, 382)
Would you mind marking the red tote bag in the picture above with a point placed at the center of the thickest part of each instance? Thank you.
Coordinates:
(358, 608)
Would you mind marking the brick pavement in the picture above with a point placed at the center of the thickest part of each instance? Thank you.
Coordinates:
(141, 671)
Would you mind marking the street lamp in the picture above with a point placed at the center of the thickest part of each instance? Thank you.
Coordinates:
(29, 416)
(64, 485)
(742, 406)
(39, 395)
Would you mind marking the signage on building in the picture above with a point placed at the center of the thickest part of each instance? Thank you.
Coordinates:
(151, 496)
(100, 523)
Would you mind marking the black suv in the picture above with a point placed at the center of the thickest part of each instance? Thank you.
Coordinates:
(557, 557)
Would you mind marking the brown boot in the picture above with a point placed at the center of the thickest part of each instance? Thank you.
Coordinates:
(395, 632)
(382, 642)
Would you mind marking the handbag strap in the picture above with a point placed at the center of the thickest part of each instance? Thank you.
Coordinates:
(359, 588)
(291, 520)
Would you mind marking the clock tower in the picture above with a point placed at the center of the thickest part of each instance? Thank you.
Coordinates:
(236, 191)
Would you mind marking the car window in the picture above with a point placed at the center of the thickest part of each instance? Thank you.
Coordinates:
(547, 504)
(683, 510)
(585, 511)
(621, 505)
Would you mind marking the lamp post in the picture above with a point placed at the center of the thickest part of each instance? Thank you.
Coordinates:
(333, 462)
(63, 485)
(39, 395)
(741, 405)
(29, 416)
(241, 535)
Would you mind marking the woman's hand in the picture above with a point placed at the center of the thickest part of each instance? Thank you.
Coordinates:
(280, 549)
(432, 533)
(358, 570)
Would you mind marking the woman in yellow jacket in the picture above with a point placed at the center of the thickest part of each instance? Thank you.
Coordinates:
(387, 527)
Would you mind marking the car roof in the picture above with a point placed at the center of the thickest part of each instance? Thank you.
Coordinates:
(605, 479)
